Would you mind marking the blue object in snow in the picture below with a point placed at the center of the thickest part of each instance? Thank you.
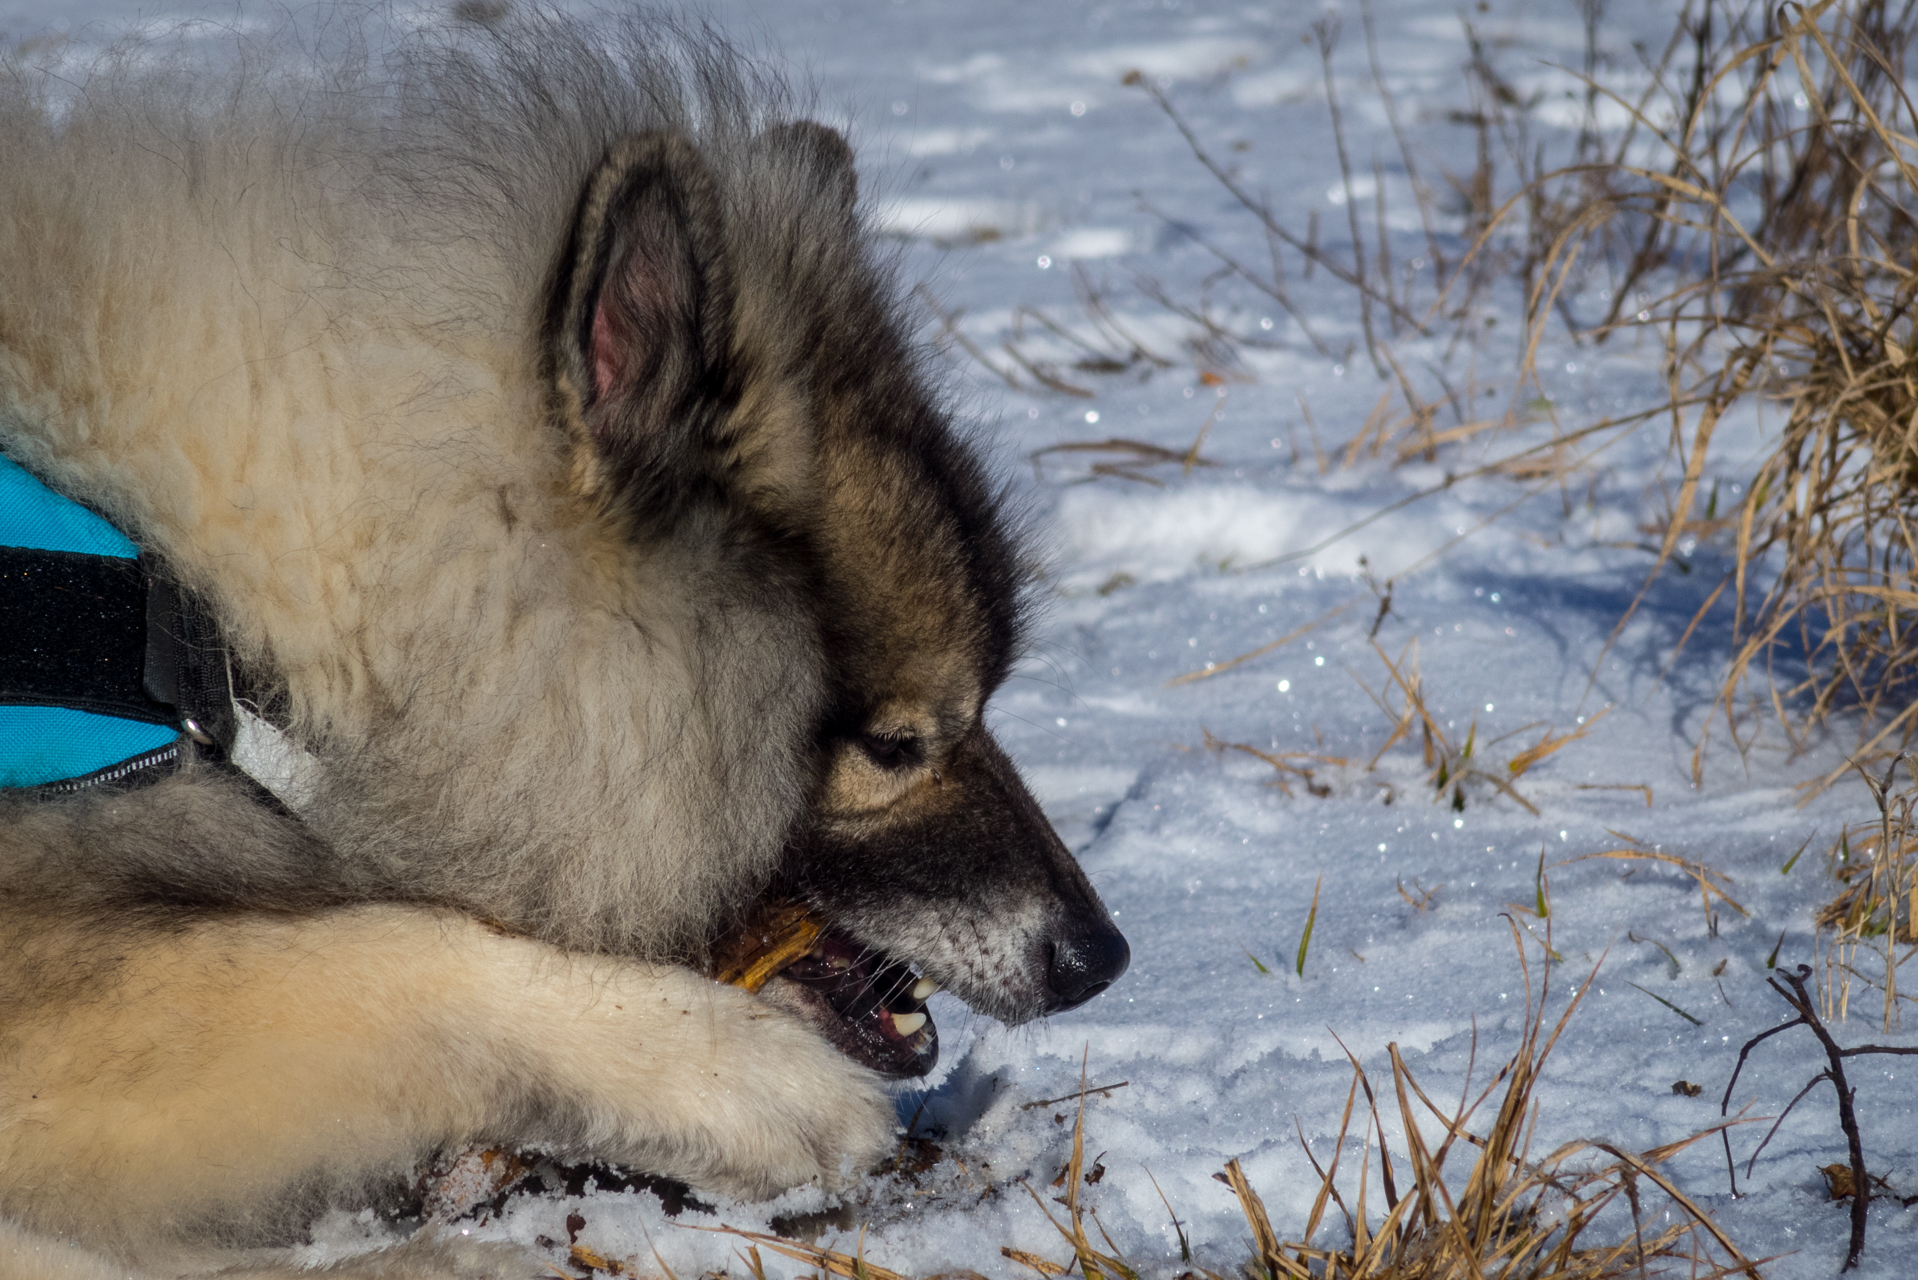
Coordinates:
(39, 745)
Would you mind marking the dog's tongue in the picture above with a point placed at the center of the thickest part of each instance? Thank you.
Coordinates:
(877, 1006)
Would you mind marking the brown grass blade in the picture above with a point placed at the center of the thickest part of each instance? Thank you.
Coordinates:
(1262, 650)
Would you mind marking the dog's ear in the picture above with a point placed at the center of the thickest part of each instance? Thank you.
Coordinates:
(823, 155)
(641, 320)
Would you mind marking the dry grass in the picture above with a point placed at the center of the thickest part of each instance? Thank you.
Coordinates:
(1099, 345)
(1777, 240)
(1456, 768)
(1421, 410)
(1451, 764)
(1712, 890)
(1876, 909)
(1769, 248)
(1513, 1217)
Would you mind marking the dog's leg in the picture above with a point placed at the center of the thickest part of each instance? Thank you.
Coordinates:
(26, 1256)
(163, 1078)
(426, 1256)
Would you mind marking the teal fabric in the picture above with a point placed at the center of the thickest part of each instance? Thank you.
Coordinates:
(32, 515)
(48, 744)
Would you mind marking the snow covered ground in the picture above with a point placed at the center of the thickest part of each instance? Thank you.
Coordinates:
(1003, 150)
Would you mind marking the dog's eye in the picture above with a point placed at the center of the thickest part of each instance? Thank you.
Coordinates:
(892, 752)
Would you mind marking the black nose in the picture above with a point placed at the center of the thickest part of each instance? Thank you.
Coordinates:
(1085, 964)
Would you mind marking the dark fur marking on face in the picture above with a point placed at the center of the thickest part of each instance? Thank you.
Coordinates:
(969, 882)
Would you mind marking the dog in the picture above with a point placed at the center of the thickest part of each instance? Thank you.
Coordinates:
(563, 550)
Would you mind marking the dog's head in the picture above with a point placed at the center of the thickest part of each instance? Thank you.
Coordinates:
(725, 353)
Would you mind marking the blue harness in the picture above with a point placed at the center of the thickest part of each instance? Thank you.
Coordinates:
(94, 645)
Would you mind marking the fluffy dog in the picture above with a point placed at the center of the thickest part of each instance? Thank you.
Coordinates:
(524, 410)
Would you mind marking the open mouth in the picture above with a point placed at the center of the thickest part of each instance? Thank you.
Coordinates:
(870, 1006)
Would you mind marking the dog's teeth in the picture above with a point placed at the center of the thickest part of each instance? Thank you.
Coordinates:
(907, 1023)
(923, 989)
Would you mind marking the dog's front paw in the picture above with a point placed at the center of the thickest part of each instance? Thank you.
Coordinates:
(798, 1110)
(718, 1088)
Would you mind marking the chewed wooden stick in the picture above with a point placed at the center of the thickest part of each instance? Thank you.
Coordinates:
(774, 937)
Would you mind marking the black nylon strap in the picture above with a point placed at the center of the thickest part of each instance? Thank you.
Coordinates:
(186, 665)
(73, 633)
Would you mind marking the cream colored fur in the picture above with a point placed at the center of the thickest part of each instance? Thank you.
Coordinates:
(427, 1256)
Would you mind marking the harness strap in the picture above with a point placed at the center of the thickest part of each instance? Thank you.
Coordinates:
(76, 629)
(186, 664)
(110, 672)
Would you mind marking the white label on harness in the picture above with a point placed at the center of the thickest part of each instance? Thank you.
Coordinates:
(272, 759)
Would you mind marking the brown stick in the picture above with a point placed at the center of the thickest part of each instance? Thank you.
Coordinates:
(1801, 1003)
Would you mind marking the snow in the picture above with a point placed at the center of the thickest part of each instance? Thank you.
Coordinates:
(1000, 147)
